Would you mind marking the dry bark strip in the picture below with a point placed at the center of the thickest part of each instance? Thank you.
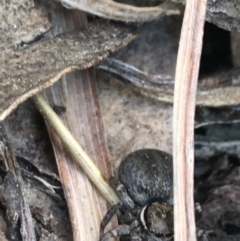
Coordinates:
(186, 79)
(123, 12)
(26, 72)
(222, 89)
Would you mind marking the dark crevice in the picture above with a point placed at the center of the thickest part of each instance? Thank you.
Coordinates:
(216, 52)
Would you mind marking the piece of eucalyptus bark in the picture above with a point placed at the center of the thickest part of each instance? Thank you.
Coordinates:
(28, 71)
(221, 89)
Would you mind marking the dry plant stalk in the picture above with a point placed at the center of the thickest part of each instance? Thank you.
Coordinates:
(78, 154)
(186, 77)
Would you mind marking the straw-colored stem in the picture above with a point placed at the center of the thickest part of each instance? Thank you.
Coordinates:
(78, 154)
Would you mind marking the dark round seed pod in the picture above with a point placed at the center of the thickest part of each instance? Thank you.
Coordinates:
(147, 175)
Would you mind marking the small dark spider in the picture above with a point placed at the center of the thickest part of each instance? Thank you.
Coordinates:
(145, 188)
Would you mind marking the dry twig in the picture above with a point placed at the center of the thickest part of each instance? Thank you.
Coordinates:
(75, 149)
(183, 118)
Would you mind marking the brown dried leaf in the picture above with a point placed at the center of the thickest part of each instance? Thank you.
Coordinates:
(77, 93)
(26, 72)
(83, 117)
